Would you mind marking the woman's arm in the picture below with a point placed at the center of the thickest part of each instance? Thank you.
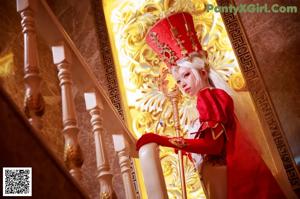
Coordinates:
(207, 145)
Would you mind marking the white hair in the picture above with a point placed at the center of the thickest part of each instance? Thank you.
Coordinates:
(174, 70)
(196, 62)
(193, 62)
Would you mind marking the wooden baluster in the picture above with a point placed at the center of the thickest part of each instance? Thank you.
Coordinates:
(33, 102)
(152, 171)
(121, 147)
(95, 107)
(72, 152)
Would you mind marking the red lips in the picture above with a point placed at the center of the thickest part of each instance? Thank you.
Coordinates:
(187, 90)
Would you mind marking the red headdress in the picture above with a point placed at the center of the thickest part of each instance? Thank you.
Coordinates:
(174, 37)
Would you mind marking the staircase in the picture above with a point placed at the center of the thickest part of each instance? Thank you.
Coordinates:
(22, 133)
(22, 146)
(75, 80)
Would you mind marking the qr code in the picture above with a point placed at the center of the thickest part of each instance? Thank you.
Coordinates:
(17, 181)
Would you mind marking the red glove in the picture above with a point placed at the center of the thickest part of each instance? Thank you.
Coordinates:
(208, 145)
(151, 137)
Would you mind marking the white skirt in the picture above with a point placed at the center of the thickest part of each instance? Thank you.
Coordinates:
(214, 180)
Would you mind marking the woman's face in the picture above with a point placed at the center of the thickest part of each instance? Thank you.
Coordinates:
(190, 81)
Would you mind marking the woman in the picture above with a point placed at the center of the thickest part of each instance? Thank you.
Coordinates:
(231, 167)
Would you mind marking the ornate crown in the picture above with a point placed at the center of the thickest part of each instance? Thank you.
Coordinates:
(174, 37)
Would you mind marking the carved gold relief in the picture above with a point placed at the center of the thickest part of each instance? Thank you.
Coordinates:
(6, 65)
(105, 195)
(149, 108)
(7, 71)
(237, 82)
(33, 104)
(73, 156)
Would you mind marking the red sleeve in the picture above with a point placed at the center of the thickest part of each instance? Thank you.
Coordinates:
(214, 105)
(207, 145)
(215, 109)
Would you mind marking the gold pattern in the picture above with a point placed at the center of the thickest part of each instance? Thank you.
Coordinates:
(73, 157)
(6, 65)
(237, 82)
(168, 54)
(190, 34)
(176, 36)
(33, 104)
(178, 141)
(105, 195)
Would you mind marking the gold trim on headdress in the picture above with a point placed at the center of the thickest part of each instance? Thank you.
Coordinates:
(168, 55)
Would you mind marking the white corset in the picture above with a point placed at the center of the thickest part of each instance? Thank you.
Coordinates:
(194, 127)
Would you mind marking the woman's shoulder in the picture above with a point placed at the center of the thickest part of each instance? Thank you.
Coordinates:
(214, 94)
(212, 90)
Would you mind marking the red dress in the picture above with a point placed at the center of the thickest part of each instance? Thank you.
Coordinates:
(247, 174)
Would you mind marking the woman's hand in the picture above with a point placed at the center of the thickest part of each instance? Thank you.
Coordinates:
(174, 142)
